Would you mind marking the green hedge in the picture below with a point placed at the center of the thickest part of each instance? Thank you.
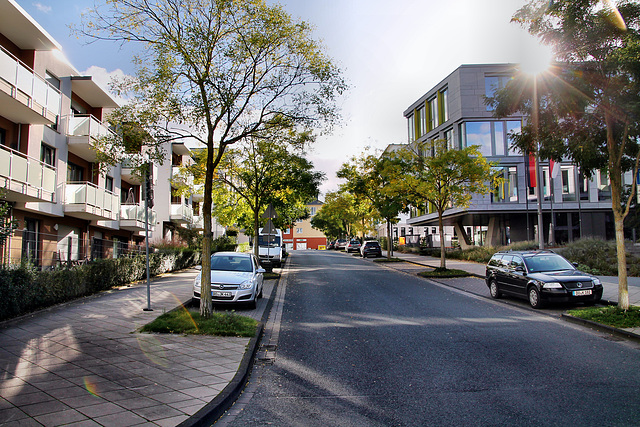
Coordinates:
(24, 289)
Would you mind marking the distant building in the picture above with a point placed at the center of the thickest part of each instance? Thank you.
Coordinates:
(301, 235)
(454, 110)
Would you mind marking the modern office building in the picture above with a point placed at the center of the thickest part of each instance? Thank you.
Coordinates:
(454, 110)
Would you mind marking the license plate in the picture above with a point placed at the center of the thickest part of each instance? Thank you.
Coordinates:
(580, 293)
(221, 294)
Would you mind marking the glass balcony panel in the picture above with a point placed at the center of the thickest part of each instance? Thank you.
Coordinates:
(49, 179)
(5, 163)
(19, 168)
(35, 173)
(7, 68)
(25, 79)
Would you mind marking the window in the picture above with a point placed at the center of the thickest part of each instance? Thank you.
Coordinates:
(421, 123)
(479, 133)
(498, 138)
(507, 191)
(411, 128)
(108, 184)
(52, 80)
(604, 185)
(30, 241)
(434, 230)
(3, 136)
(313, 210)
(567, 176)
(175, 197)
(299, 230)
(75, 173)
(433, 114)
(444, 106)
(492, 84)
(513, 127)
(448, 136)
(47, 155)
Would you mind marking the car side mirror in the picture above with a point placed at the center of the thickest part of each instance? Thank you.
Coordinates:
(575, 264)
(261, 270)
(198, 267)
(520, 269)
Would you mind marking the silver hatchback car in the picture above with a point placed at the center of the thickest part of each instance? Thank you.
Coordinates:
(235, 278)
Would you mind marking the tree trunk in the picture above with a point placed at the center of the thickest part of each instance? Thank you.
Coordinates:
(623, 291)
(443, 262)
(206, 306)
(389, 241)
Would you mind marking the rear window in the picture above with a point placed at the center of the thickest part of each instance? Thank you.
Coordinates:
(375, 244)
(495, 260)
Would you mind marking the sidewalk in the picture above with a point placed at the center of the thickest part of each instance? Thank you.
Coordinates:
(82, 363)
(609, 283)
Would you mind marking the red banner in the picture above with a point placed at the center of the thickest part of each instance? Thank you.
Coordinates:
(532, 170)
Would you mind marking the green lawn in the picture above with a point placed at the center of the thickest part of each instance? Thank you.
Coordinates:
(189, 321)
(610, 315)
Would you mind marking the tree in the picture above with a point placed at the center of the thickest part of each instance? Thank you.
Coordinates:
(337, 216)
(261, 171)
(587, 108)
(7, 225)
(370, 176)
(445, 178)
(218, 72)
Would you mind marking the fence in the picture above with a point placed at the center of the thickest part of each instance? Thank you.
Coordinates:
(46, 251)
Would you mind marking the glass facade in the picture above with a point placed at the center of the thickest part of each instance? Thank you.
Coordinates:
(492, 137)
(479, 133)
(507, 190)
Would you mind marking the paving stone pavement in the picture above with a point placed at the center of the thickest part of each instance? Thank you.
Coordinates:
(83, 363)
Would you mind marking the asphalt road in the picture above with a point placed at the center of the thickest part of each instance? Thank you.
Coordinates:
(364, 345)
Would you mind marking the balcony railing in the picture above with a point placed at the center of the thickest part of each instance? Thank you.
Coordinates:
(23, 84)
(87, 200)
(87, 125)
(132, 217)
(182, 213)
(26, 178)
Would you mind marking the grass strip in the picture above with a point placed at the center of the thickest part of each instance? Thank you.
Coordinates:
(444, 273)
(388, 260)
(610, 315)
(185, 321)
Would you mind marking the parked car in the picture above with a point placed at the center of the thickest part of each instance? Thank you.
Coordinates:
(352, 246)
(235, 278)
(341, 244)
(331, 245)
(370, 247)
(540, 277)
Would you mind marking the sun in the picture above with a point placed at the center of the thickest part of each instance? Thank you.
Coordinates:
(535, 58)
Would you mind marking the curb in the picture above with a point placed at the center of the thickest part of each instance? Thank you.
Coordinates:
(606, 328)
(213, 410)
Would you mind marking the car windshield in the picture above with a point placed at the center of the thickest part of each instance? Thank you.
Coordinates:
(547, 263)
(231, 263)
(266, 240)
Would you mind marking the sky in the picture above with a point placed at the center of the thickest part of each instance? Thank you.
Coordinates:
(390, 52)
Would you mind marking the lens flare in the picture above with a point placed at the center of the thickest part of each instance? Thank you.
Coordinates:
(153, 350)
(91, 386)
(614, 15)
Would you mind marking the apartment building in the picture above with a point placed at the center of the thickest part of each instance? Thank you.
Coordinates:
(50, 119)
(454, 110)
(301, 235)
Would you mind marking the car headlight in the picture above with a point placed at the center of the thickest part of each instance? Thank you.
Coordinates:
(245, 285)
(196, 282)
(596, 281)
(552, 285)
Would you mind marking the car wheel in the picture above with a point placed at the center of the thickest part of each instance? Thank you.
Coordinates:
(494, 290)
(534, 297)
(254, 303)
(260, 294)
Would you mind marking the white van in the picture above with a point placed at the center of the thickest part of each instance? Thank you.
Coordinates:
(270, 248)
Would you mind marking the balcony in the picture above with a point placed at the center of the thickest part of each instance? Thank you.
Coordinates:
(87, 201)
(132, 217)
(181, 214)
(198, 222)
(25, 97)
(26, 179)
(83, 131)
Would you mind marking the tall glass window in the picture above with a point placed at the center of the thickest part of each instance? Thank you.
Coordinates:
(513, 127)
(492, 84)
(433, 114)
(498, 138)
(422, 122)
(411, 128)
(507, 191)
(448, 136)
(444, 106)
(568, 178)
(479, 133)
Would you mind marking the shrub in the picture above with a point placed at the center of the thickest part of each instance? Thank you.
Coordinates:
(24, 289)
(596, 256)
